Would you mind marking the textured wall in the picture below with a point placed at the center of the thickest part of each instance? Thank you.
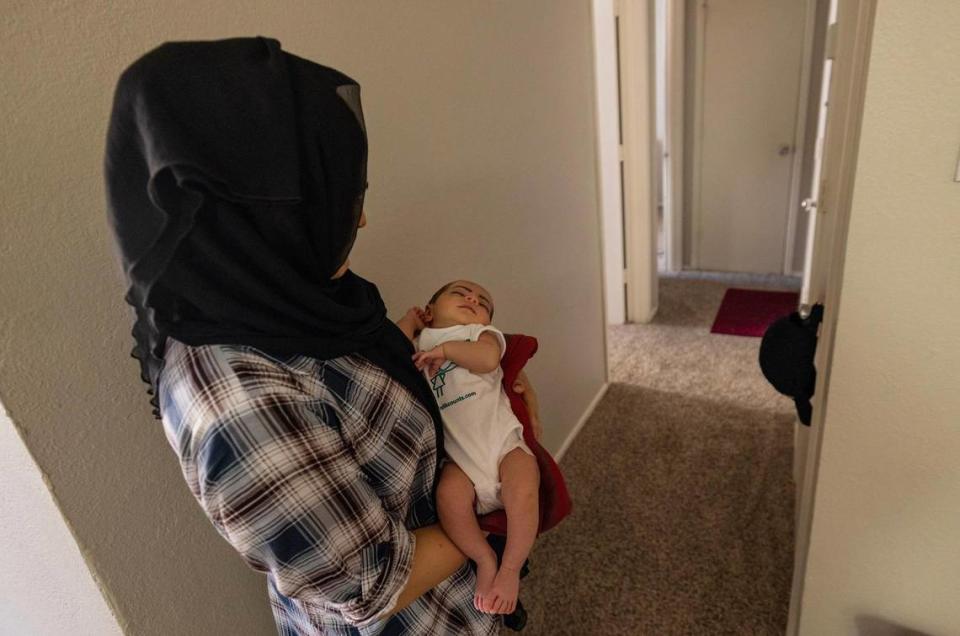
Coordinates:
(482, 166)
(886, 517)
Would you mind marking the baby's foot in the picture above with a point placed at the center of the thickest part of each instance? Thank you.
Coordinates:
(506, 586)
(486, 572)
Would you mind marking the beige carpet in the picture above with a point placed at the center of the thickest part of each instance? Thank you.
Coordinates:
(682, 488)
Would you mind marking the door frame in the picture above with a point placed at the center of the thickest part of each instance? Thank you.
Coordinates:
(636, 56)
(609, 194)
(803, 94)
(673, 104)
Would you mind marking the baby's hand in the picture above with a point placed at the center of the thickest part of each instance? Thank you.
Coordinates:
(415, 316)
(432, 360)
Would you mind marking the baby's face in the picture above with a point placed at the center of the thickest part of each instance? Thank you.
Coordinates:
(463, 303)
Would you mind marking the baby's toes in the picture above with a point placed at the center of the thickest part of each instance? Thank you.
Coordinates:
(486, 572)
(506, 587)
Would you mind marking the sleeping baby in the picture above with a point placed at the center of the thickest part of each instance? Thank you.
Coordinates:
(490, 467)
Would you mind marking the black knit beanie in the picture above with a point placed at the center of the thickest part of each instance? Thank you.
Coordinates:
(786, 358)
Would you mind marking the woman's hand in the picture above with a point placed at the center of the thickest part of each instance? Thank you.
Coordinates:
(432, 360)
(522, 386)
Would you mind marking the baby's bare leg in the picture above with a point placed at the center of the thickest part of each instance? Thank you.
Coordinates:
(455, 497)
(520, 490)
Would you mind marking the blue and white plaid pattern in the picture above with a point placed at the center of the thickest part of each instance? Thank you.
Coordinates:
(315, 471)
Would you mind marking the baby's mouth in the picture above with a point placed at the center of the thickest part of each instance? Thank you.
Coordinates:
(472, 310)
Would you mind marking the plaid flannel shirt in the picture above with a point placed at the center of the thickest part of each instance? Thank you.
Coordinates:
(315, 471)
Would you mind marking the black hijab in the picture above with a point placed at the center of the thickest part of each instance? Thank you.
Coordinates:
(235, 175)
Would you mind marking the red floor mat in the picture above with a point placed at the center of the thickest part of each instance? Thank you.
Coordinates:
(748, 312)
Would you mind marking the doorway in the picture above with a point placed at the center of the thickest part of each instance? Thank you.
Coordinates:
(667, 351)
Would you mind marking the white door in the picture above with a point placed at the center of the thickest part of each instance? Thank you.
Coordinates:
(750, 62)
(847, 53)
(816, 262)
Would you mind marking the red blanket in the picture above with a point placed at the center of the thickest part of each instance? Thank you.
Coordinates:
(554, 498)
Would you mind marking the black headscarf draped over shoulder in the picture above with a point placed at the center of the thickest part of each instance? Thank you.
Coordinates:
(235, 175)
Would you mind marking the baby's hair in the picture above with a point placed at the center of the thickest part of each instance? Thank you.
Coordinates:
(437, 293)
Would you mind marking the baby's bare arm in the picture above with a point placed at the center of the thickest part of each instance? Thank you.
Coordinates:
(482, 356)
(407, 327)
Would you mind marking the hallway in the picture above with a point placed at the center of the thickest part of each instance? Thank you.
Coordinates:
(682, 487)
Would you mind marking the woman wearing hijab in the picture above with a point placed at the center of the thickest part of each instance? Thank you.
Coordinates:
(235, 174)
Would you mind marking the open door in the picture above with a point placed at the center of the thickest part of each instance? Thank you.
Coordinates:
(827, 205)
(846, 54)
(819, 232)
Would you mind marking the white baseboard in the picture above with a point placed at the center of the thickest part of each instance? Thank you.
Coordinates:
(583, 420)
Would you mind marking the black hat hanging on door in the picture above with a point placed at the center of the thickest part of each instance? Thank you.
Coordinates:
(786, 358)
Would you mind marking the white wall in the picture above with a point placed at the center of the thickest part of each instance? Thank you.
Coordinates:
(482, 131)
(45, 584)
(886, 521)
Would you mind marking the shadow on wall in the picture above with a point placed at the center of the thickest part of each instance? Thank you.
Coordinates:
(868, 625)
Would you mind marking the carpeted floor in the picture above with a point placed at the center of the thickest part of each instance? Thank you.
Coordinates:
(682, 488)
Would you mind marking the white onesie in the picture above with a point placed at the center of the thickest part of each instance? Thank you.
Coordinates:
(479, 425)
